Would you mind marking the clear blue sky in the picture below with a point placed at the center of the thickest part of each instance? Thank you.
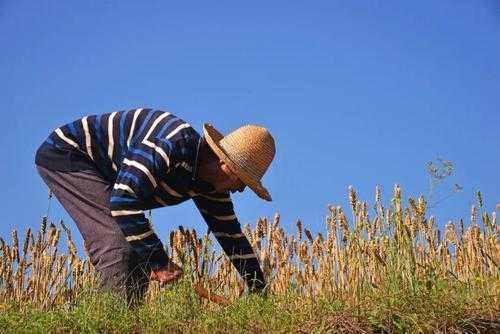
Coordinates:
(354, 92)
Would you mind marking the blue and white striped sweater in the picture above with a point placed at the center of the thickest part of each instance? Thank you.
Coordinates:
(150, 158)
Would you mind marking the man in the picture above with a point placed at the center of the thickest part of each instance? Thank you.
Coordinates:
(106, 169)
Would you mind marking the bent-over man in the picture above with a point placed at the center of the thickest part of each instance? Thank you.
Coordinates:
(107, 169)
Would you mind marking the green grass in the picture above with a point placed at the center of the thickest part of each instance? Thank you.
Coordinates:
(446, 306)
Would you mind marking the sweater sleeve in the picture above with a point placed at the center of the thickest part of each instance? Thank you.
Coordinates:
(217, 210)
(135, 184)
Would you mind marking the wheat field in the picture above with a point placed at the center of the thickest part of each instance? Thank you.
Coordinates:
(368, 257)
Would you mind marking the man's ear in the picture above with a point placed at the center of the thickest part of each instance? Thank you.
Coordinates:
(225, 168)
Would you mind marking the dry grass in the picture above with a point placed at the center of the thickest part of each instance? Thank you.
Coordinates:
(379, 249)
(38, 274)
(356, 254)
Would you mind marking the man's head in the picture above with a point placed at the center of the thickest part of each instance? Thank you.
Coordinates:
(217, 172)
(242, 157)
(232, 181)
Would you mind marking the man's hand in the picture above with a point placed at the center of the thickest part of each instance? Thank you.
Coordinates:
(168, 274)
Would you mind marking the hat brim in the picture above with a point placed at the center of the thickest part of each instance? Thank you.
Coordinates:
(213, 137)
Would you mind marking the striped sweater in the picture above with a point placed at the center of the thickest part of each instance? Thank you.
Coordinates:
(150, 157)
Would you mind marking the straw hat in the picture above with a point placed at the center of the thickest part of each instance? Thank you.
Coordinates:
(247, 150)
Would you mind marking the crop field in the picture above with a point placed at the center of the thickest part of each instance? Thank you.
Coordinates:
(375, 268)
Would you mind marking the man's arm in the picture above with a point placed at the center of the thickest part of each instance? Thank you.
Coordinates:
(218, 212)
(135, 184)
